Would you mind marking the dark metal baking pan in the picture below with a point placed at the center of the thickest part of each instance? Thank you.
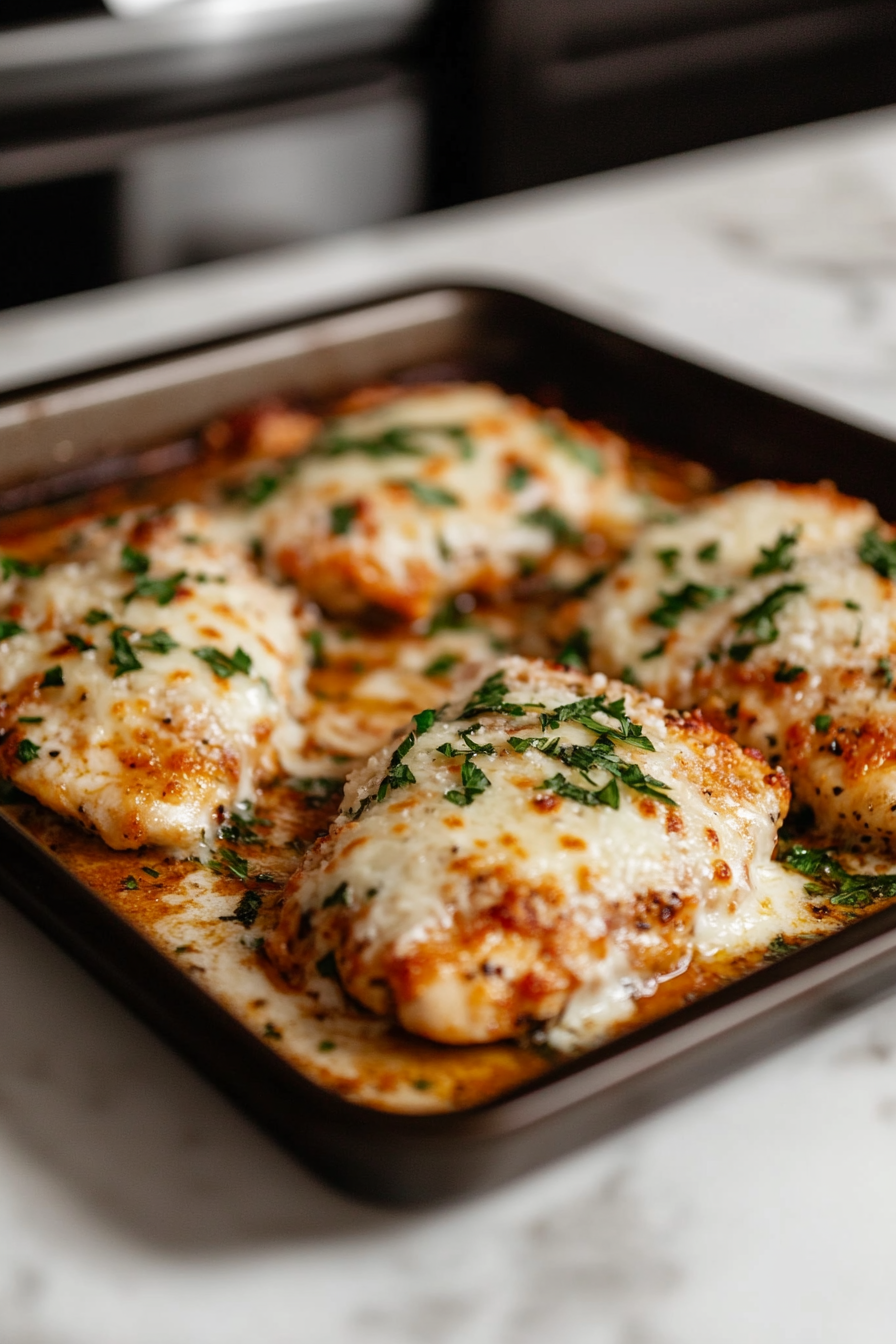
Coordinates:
(116, 420)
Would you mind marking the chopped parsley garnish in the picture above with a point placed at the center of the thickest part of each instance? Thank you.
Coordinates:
(271, 1033)
(656, 652)
(240, 825)
(879, 554)
(341, 518)
(161, 591)
(669, 558)
(608, 796)
(158, 642)
(246, 911)
(257, 490)
(586, 454)
(441, 665)
(778, 558)
(10, 628)
(96, 617)
(472, 748)
(576, 652)
(130, 883)
(399, 775)
(823, 722)
(400, 441)
(788, 674)
(560, 528)
(134, 562)
(30, 718)
(153, 872)
(316, 640)
(222, 664)
(690, 597)
(590, 581)
(489, 699)
(884, 670)
(317, 791)
(227, 861)
(10, 565)
(433, 496)
(760, 620)
(27, 751)
(327, 966)
(833, 882)
(123, 659)
(81, 645)
(583, 711)
(52, 677)
(779, 947)
(852, 606)
(337, 897)
(709, 552)
(518, 477)
(326, 1045)
(473, 782)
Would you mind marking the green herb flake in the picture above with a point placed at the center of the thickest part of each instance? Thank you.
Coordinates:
(777, 558)
(96, 617)
(52, 677)
(153, 872)
(579, 450)
(433, 496)
(10, 565)
(341, 518)
(257, 490)
(400, 441)
(271, 1033)
(669, 558)
(317, 791)
(222, 664)
(518, 477)
(822, 722)
(326, 1046)
(337, 897)
(760, 620)
(708, 553)
(833, 882)
(656, 652)
(879, 554)
(422, 1084)
(441, 666)
(246, 911)
(161, 591)
(489, 699)
(550, 520)
(327, 966)
(123, 657)
(10, 628)
(315, 639)
(81, 645)
(448, 617)
(27, 751)
(240, 825)
(788, 674)
(473, 782)
(590, 582)
(130, 883)
(134, 562)
(884, 670)
(690, 597)
(228, 862)
(852, 606)
(608, 796)
(30, 718)
(158, 642)
(576, 652)
(779, 948)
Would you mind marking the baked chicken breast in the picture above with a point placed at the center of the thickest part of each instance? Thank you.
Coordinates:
(149, 681)
(429, 492)
(547, 849)
(774, 608)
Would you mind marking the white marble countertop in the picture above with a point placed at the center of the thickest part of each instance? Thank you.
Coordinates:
(136, 1206)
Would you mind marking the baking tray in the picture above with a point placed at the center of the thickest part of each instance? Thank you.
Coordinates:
(140, 418)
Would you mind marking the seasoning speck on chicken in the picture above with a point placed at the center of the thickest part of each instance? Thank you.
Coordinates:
(148, 680)
(549, 848)
(427, 493)
(786, 637)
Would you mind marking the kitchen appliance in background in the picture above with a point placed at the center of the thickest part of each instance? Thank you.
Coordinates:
(196, 129)
(525, 92)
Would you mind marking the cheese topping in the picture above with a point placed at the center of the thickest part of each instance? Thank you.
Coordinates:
(439, 490)
(549, 848)
(774, 608)
(149, 681)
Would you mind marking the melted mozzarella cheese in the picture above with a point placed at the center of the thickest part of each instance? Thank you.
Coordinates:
(473, 909)
(809, 682)
(439, 490)
(108, 714)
